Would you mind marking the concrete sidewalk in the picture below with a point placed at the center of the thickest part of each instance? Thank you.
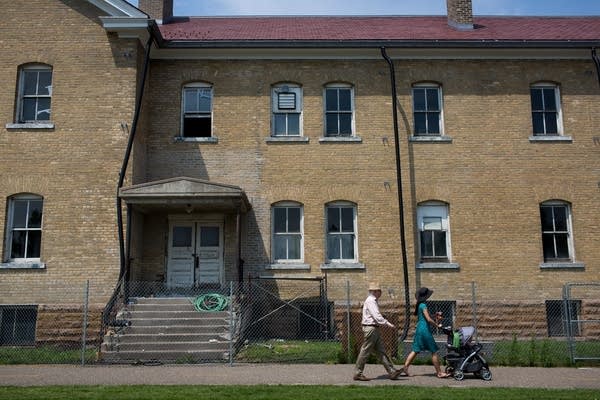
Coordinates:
(284, 374)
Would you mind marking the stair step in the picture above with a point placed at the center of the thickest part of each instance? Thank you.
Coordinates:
(171, 337)
(162, 346)
(190, 356)
(174, 329)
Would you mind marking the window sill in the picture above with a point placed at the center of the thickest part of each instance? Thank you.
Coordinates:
(430, 139)
(562, 265)
(179, 139)
(22, 265)
(551, 138)
(287, 139)
(342, 265)
(31, 125)
(280, 266)
(438, 265)
(340, 139)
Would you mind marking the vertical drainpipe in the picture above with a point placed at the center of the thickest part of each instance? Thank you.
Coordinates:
(134, 123)
(597, 62)
(400, 196)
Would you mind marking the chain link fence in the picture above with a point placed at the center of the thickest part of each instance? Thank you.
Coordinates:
(290, 320)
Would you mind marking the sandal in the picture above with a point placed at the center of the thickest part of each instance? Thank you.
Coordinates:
(443, 375)
(404, 372)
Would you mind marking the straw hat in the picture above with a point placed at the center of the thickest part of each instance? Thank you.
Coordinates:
(423, 294)
(374, 286)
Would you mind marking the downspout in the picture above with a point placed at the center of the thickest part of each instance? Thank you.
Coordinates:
(597, 62)
(134, 123)
(400, 197)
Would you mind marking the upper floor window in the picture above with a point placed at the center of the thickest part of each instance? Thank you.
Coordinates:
(434, 231)
(24, 228)
(427, 109)
(556, 231)
(288, 232)
(339, 110)
(341, 232)
(197, 110)
(34, 94)
(287, 110)
(545, 109)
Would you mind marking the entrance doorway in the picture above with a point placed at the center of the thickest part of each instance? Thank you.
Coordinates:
(195, 255)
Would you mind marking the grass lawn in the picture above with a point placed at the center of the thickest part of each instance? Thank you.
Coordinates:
(281, 392)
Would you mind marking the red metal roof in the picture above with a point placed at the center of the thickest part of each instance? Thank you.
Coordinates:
(384, 28)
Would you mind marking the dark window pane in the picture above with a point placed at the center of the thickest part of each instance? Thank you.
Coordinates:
(30, 83)
(440, 243)
(18, 244)
(426, 244)
(293, 124)
(419, 100)
(420, 123)
(345, 124)
(331, 100)
(279, 247)
(347, 246)
(43, 109)
(35, 214)
(433, 123)
(209, 236)
(548, 244)
(29, 109)
(562, 245)
(537, 103)
(433, 103)
(197, 127)
(279, 122)
(347, 219)
(333, 247)
(345, 103)
(551, 124)
(547, 219)
(560, 218)
(293, 219)
(34, 240)
(182, 236)
(549, 100)
(294, 247)
(45, 83)
(333, 219)
(20, 214)
(538, 122)
(279, 220)
(331, 122)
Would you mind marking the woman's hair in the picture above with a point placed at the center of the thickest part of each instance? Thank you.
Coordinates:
(417, 307)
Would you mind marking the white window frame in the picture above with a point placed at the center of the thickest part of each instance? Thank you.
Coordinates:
(281, 108)
(428, 86)
(569, 232)
(354, 233)
(440, 210)
(559, 119)
(23, 72)
(199, 86)
(338, 112)
(287, 205)
(10, 229)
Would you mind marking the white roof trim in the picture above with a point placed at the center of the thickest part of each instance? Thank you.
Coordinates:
(118, 8)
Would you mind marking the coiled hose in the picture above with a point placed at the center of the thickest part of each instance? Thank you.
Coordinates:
(211, 302)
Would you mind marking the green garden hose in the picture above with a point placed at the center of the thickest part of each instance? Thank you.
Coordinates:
(211, 302)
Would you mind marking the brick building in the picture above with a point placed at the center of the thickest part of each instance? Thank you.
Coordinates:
(266, 146)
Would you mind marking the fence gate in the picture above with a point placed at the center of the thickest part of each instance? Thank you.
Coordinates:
(581, 316)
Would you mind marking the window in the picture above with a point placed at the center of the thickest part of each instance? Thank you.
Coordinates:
(197, 111)
(287, 232)
(434, 232)
(427, 109)
(545, 109)
(556, 231)
(24, 236)
(341, 232)
(287, 110)
(35, 94)
(339, 110)
(556, 313)
(17, 325)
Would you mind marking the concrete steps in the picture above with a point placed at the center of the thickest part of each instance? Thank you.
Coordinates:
(167, 330)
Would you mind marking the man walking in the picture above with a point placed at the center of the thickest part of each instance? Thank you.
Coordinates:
(372, 320)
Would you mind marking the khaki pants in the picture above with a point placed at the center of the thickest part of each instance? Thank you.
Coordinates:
(373, 343)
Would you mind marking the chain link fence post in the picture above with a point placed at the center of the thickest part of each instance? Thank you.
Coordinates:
(86, 295)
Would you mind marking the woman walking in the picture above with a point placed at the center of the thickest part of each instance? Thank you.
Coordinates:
(423, 340)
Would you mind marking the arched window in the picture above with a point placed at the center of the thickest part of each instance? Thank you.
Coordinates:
(545, 109)
(286, 100)
(287, 232)
(34, 93)
(427, 109)
(339, 110)
(557, 240)
(24, 228)
(197, 103)
(434, 231)
(341, 232)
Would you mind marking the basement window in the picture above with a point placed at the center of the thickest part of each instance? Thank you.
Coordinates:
(17, 325)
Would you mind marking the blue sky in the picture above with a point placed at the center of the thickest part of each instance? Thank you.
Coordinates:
(379, 7)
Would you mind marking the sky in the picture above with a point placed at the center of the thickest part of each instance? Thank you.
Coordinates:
(379, 7)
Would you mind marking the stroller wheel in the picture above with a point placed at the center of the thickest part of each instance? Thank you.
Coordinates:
(458, 375)
(449, 370)
(485, 374)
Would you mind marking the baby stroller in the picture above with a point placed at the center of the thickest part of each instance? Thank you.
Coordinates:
(463, 354)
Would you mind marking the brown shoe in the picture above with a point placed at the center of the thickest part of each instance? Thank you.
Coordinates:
(394, 375)
(360, 377)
